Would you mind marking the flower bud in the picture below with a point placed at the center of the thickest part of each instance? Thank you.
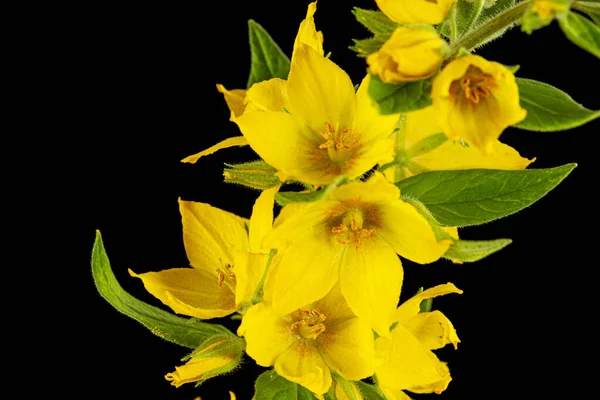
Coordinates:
(217, 355)
(410, 54)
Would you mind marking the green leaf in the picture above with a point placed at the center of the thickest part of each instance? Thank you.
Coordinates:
(476, 196)
(364, 47)
(284, 198)
(254, 174)
(182, 331)
(375, 21)
(267, 60)
(270, 386)
(581, 31)
(474, 250)
(592, 9)
(397, 98)
(550, 109)
(369, 392)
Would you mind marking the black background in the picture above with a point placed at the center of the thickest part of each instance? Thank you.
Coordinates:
(140, 82)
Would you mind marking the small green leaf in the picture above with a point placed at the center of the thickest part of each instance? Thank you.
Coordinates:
(476, 196)
(470, 14)
(591, 8)
(182, 331)
(550, 109)
(581, 31)
(270, 386)
(284, 198)
(364, 47)
(267, 60)
(375, 21)
(401, 97)
(369, 392)
(474, 250)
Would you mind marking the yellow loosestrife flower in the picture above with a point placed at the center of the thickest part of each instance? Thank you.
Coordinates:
(475, 100)
(313, 126)
(306, 343)
(410, 54)
(423, 147)
(416, 11)
(227, 262)
(405, 360)
(353, 236)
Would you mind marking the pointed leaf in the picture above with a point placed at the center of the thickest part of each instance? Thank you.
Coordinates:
(182, 331)
(393, 98)
(581, 31)
(474, 250)
(267, 59)
(369, 392)
(271, 386)
(375, 21)
(550, 109)
(476, 196)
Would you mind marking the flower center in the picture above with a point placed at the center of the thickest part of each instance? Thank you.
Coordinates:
(474, 86)
(338, 142)
(350, 230)
(308, 323)
(226, 276)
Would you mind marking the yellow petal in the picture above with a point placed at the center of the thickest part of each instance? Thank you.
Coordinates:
(196, 369)
(211, 235)
(334, 306)
(307, 32)
(372, 125)
(395, 394)
(406, 364)
(249, 269)
(229, 142)
(377, 190)
(234, 99)
(278, 139)
(303, 364)
(348, 348)
(269, 95)
(371, 278)
(307, 270)
(319, 91)
(267, 335)
(410, 308)
(415, 11)
(190, 291)
(261, 220)
(433, 329)
(409, 233)
(231, 396)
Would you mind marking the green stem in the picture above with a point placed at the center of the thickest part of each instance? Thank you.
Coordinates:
(258, 293)
(491, 27)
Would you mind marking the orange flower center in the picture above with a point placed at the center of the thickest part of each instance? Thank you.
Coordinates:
(308, 324)
(338, 142)
(474, 86)
(352, 222)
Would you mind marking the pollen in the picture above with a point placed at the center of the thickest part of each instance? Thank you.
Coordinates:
(473, 87)
(308, 324)
(226, 276)
(352, 228)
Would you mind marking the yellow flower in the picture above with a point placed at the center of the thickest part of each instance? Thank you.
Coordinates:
(314, 126)
(475, 100)
(547, 9)
(304, 344)
(353, 236)
(422, 147)
(416, 11)
(405, 360)
(228, 263)
(410, 54)
(217, 357)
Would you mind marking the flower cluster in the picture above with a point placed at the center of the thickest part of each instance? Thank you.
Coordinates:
(317, 284)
